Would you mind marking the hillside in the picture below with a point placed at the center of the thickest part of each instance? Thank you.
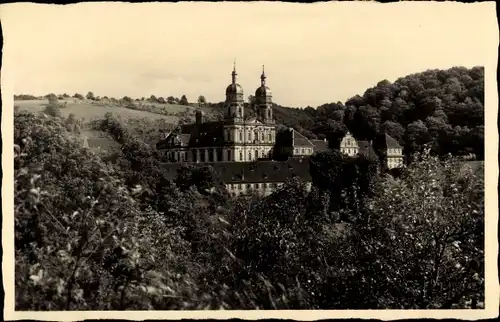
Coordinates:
(443, 109)
(90, 111)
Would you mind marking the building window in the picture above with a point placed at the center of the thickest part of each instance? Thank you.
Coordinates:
(248, 186)
(239, 112)
(195, 159)
(210, 155)
(228, 155)
(241, 156)
(256, 154)
(270, 138)
(185, 156)
(241, 136)
(239, 186)
(249, 155)
(265, 185)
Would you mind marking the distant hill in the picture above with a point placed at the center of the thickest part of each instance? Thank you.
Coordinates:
(442, 109)
(85, 109)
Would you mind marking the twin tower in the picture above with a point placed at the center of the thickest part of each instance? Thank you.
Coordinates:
(235, 101)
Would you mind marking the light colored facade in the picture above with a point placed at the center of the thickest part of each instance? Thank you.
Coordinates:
(388, 149)
(349, 145)
(394, 157)
(262, 189)
(234, 139)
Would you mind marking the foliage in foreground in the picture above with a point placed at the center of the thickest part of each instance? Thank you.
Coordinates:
(116, 234)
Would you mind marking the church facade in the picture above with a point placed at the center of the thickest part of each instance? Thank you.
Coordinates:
(235, 138)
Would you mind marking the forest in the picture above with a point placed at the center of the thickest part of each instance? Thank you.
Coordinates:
(439, 109)
(108, 231)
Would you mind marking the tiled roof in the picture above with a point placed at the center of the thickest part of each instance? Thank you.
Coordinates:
(391, 143)
(291, 137)
(252, 172)
(207, 134)
(385, 141)
(319, 145)
(300, 140)
(195, 135)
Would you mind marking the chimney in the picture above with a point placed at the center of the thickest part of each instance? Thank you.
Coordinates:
(199, 117)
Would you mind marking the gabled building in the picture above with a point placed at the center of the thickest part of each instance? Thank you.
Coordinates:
(386, 148)
(389, 151)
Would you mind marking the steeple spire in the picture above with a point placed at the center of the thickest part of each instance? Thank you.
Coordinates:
(263, 77)
(234, 72)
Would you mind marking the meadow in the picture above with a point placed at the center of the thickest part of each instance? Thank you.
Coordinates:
(89, 111)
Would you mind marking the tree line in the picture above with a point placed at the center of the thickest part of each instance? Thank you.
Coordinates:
(439, 109)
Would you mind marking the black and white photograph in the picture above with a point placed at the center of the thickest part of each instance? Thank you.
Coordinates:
(332, 159)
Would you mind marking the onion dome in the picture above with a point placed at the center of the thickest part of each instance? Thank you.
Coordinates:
(263, 90)
(234, 88)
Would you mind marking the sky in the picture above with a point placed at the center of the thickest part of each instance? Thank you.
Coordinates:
(313, 53)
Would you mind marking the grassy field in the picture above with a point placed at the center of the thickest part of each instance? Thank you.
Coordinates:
(90, 111)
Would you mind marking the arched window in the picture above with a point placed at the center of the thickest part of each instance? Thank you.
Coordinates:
(241, 136)
(270, 137)
(241, 156)
(268, 113)
(249, 155)
(239, 111)
(256, 154)
(256, 135)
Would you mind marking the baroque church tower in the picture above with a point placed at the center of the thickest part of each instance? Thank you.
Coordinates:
(263, 100)
(247, 139)
(234, 100)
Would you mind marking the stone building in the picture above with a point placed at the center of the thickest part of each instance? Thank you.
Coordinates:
(261, 178)
(234, 139)
(386, 148)
(389, 151)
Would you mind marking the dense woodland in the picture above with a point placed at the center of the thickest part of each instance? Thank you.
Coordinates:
(440, 109)
(108, 231)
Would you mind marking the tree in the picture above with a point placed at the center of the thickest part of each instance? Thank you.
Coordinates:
(202, 100)
(90, 96)
(171, 100)
(433, 251)
(78, 96)
(152, 99)
(394, 129)
(183, 100)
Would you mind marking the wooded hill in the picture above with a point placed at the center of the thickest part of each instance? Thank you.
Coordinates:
(443, 109)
